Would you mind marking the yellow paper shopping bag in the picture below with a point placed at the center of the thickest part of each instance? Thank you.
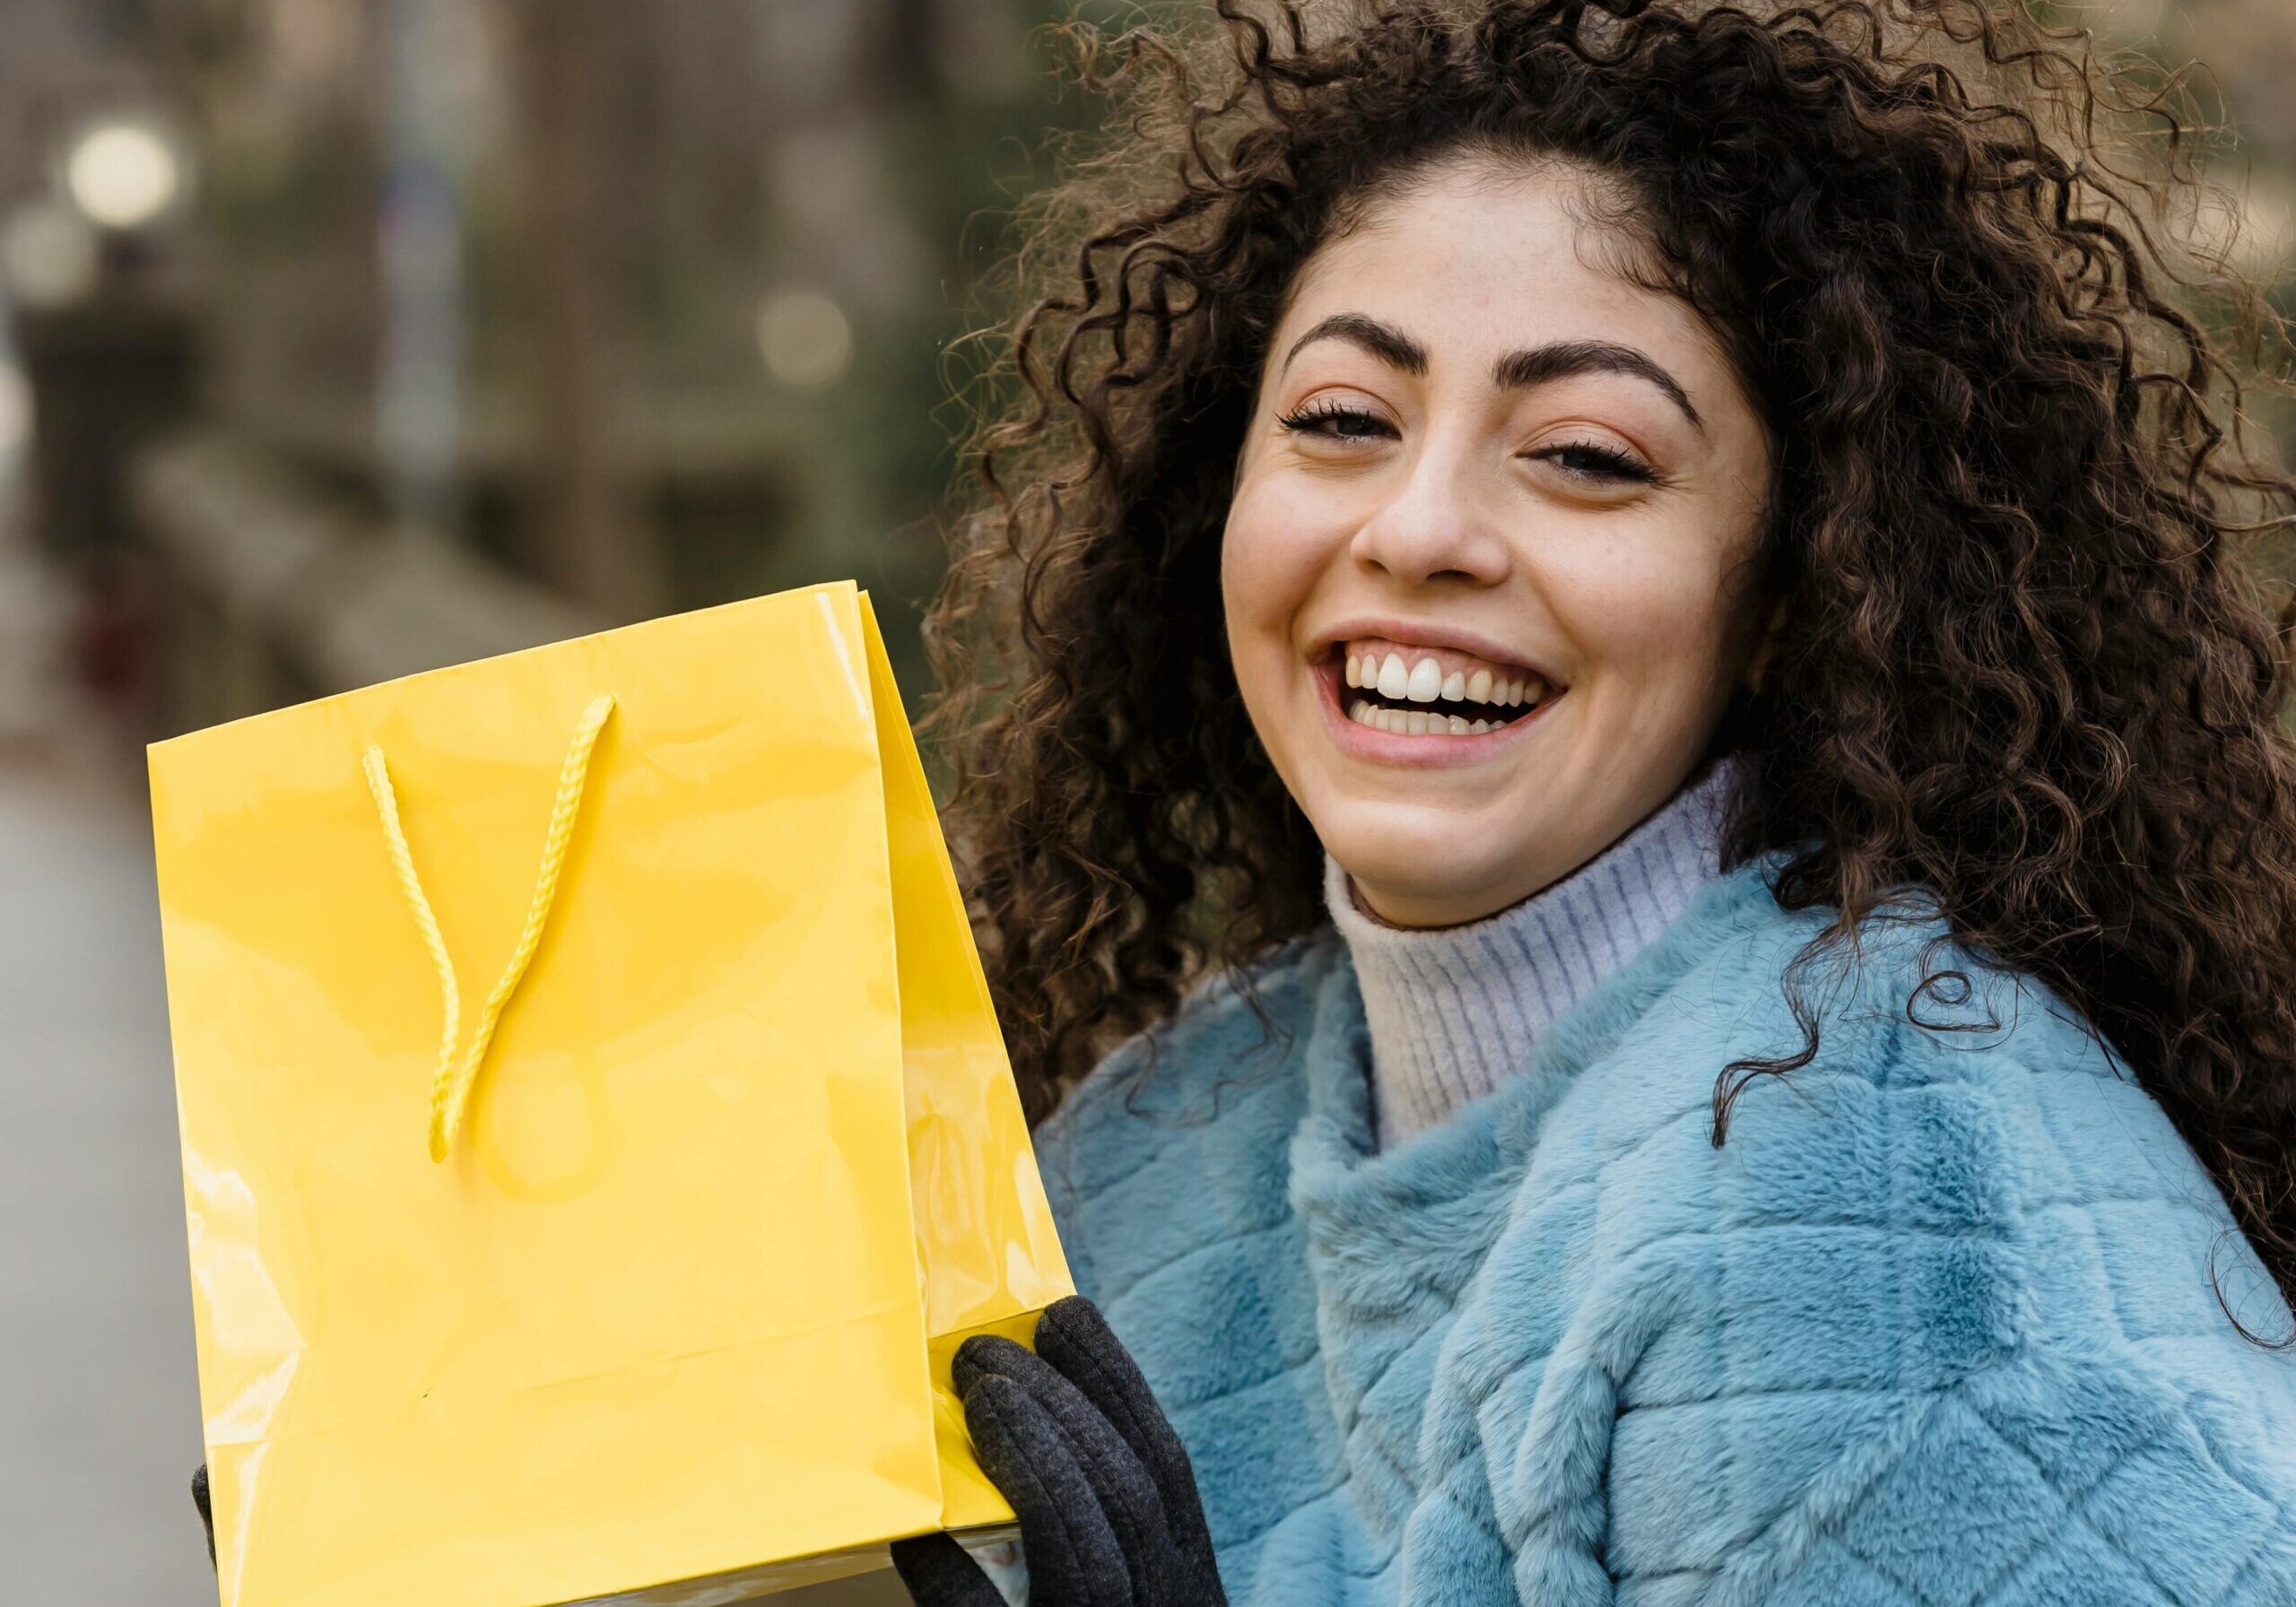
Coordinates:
(595, 1133)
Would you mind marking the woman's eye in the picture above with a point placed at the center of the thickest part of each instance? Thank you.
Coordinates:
(1584, 460)
(1336, 421)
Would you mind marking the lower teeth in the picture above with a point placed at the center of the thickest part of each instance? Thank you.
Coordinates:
(1416, 722)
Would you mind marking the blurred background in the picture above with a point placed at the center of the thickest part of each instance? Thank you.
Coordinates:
(344, 338)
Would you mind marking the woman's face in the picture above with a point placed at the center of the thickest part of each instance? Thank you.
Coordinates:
(1479, 569)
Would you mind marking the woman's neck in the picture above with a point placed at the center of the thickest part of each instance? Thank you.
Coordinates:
(1453, 1011)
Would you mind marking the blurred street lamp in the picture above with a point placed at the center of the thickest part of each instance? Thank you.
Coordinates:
(107, 343)
(804, 338)
(124, 173)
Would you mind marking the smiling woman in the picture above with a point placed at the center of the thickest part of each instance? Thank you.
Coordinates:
(1628, 811)
(1484, 441)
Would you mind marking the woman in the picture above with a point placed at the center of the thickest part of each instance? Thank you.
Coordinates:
(1611, 629)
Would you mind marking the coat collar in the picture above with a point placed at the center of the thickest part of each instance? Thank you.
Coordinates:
(1354, 1198)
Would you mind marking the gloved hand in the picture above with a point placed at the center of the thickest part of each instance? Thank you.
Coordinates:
(1110, 1516)
(206, 1515)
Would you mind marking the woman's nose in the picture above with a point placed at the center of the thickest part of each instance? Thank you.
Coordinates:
(1433, 527)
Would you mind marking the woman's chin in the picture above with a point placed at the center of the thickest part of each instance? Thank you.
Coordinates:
(1419, 881)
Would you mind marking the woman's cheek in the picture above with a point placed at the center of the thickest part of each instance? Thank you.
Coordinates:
(1268, 565)
(1243, 601)
(1641, 613)
(1274, 532)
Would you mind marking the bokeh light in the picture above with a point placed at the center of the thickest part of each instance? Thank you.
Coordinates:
(124, 174)
(805, 339)
(47, 255)
(15, 412)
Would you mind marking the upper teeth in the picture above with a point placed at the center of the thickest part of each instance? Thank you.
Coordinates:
(1424, 682)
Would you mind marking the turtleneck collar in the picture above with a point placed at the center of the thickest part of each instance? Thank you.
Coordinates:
(1453, 1011)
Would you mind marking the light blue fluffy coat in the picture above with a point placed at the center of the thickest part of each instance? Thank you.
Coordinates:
(1934, 1327)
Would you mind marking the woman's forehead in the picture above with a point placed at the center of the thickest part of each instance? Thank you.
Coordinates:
(1481, 254)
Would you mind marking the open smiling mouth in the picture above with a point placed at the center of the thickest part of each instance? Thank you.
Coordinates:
(1416, 693)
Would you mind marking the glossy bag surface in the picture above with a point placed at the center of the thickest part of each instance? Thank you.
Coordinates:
(670, 1320)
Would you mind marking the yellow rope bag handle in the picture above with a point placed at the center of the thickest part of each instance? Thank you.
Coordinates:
(450, 1086)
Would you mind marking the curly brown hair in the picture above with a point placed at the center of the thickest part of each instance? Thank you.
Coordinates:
(2023, 667)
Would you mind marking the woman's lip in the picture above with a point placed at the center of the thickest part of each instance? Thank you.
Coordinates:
(1426, 752)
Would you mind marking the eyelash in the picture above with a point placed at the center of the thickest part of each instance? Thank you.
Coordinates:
(1595, 462)
(1327, 410)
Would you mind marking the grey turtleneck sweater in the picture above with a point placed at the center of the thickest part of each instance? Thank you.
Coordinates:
(1455, 1009)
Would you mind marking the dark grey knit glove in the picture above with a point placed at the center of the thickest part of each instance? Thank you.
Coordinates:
(1110, 1516)
(206, 1515)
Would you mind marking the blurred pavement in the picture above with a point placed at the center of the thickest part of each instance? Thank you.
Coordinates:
(99, 1398)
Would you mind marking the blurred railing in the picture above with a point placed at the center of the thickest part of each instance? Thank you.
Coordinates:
(271, 589)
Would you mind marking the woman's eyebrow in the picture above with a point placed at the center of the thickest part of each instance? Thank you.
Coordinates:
(1521, 370)
(1517, 370)
(1385, 342)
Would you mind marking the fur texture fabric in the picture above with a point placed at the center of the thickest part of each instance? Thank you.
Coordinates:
(1939, 1325)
